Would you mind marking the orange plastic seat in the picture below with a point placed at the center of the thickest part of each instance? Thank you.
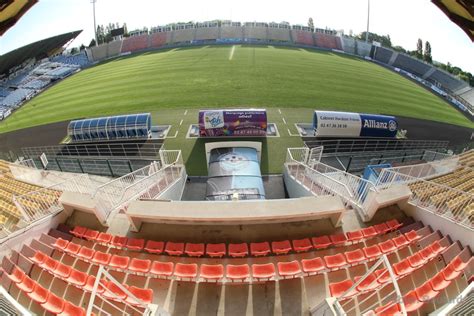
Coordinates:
(368, 284)
(313, 266)
(237, 272)
(101, 258)
(185, 270)
(119, 262)
(369, 232)
(400, 241)
(211, 272)
(86, 253)
(394, 224)
(72, 248)
(104, 238)
(119, 241)
(215, 250)
(438, 283)
(335, 262)
(290, 269)
(60, 244)
(53, 304)
(387, 246)
(62, 270)
(403, 267)
(26, 285)
(372, 252)
(49, 264)
(389, 309)
(458, 264)
(382, 275)
(412, 236)
(72, 310)
(425, 292)
(174, 248)
(39, 257)
(144, 295)
(381, 228)
(135, 244)
(17, 275)
(155, 247)
(355, 236)
(427, 253)
(194, 250)
(338, 239)
(162, 269)
(416, 260)
(90, 234)
(450, 273)
(411, 302)
(281, 247)
(301, 245)
(263, 271)
(437, 247)
(78, 231)
(77, 278)
(113, 291)
(259, 248)
(238, 250)
(321, 242)
(89, 286)
(140, 265)
(39, 294)
(337, 289)
(354, 256)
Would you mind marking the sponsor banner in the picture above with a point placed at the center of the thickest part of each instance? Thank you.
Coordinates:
(232, 123)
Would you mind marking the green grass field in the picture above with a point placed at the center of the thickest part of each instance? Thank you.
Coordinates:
(297, 81)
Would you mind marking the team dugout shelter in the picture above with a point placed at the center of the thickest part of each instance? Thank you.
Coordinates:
(121, 127)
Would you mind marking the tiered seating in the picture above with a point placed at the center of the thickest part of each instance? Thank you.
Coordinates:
(157, 39)
(328, 41)
(467, 158)
(16, 97)
(304, 37)
(236, 250)
(135, 43)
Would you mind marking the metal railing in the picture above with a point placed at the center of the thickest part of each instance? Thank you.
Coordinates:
(450, 203)
(297, 155)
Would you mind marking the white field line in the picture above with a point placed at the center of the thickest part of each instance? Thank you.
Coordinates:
(284, 121)
(185, 112)
(231, 55)
(279, 111)
(181, 123)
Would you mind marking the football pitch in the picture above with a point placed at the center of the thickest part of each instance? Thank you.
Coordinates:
(290, 82)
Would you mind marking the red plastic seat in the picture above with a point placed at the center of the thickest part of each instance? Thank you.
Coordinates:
(53, 304)
(113, 291)
(89, 286)
(39, 294)
(17, 275)
(86, 253)
(72, 310)
(389, 309)
(438, 283)
(321, 242)
(412, 236)
(26, 285)
(354, 256)
(400, 241)
(185, 270)
(394, 224)
(437, 247)
(403, 267)
(259, 248)
(135, 244)
(281, 247)
(381, 228)
(162, 269)
(372, 252)
(355, 236)
(60, 244)
(301, 245)
(144, 295)
(104, 238)
(119, 262)
(458, 264)
(368, 284)
(194, 250)
(337, 289)
(237, 272)
(39, 257)
(369, 232)
(338, 239)
(72, 248)
(450, 273)
(101, 258)
(416, 260)
(427, 253)
(154, 246)
(78, 231)
(91, 234)
(238, 250)
(119, 241)
(212, 272)
(313, 266)
(289, 269)
(387, 246)
(140, 265)
(49, 264)
(425, 292)
(263, 271)
(335, 262)
(215, 250)
(411, 302)
(77, 278)
(382, 275)
(62, 270)
(174, 248)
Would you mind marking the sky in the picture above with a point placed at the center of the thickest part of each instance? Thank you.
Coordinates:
(404, 20)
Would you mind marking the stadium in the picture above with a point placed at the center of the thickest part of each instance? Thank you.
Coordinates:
(233, 168)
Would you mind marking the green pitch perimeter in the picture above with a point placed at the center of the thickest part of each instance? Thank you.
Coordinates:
(297, 81)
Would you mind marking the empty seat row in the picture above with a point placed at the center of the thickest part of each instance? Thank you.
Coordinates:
(86, 282)
(234, 250)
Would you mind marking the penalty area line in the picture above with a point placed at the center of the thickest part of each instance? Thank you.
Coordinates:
(231, 55)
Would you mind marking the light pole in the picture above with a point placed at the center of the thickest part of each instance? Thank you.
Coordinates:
(368, 18)
(95, 26)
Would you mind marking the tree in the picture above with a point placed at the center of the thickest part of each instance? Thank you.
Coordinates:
(383, 39)
(82, 47)
(419, 49)
(74, 51)
(92, 43)
(311, 24)
(427, 55)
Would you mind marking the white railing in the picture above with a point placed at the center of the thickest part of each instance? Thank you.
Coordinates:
(451, 203)
(430, 155)
(427, 170)
(297, 155)
(38, 177)
(30, 163)
(169, 157)
(162, 180)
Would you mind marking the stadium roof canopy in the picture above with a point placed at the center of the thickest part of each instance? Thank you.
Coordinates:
(38, 50)
(460, 12)
(11, 11)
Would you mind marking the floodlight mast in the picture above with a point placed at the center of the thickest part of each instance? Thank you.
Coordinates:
(368, 19)
(95, 26)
